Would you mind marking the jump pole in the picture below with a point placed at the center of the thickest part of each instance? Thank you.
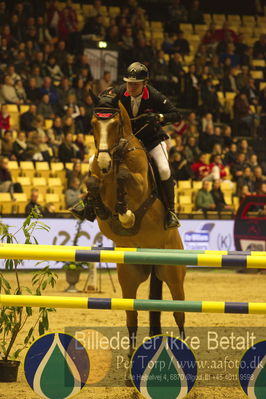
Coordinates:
(134, 304)
(68, 254)
(160, 250)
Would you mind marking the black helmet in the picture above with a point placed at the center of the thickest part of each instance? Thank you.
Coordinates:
(136, 72)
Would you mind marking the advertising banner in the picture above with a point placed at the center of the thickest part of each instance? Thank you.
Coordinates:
(196, 234)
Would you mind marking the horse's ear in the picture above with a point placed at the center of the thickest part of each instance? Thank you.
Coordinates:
(124, 116)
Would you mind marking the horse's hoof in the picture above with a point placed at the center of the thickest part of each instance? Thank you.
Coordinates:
(128, 381)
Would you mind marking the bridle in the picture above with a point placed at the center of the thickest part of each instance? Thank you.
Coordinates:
(118, 150)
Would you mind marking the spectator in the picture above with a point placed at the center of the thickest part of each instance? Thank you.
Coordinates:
(179, 166)
(68, 125)
(259, 48)
(262, 188)
(227, 136)
(207, 139)
(229, 81)
(69, 68)
(192, 87)
(54, 70)
(217, 169)
(244, 147)
(49, 210)
(53, 17)
(201, 168)
(181, 44)
(48, 88)
(243, 117)
(20, 147)
(33, 203)
(218, 138)
(210, 37)
(83, 121)
(231, 156)
(4, 118)
(210, 99)
(207, 120)
(67, 151)
(218, 197)
(74, 173)
(8, 92)
(20, 91)
(246, 180)
(82, 147)
(105, 81)
(71, 108)
(204, 200)
(244, 192)
(67, 22)
(36, 74)
(258, 178)
(175, 66)
(237, 168)
(7, 144)
(45, 108)
(192, 151)
(27, 119)
(176, 13)
(253, 161)
(5, 177)
(195, 16)
(32, 91)
(73, 194)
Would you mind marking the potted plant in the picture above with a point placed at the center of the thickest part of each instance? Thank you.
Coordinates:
(72, 270)
(15, 321)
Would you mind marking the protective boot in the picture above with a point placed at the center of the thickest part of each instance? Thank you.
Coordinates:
(84, 210)
(171, 220)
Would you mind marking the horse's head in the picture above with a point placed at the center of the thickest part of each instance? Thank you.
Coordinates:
(109, 125)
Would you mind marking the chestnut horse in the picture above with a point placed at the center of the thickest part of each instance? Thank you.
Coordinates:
(129, 212)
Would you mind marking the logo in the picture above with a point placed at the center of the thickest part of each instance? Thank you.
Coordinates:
(56, 366)
(252, 371)
(198, 239)
(224, 242)
(163, 366)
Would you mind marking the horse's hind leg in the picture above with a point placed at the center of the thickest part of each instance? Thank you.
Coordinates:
(156, 286)
(130, 277)
(174, 278)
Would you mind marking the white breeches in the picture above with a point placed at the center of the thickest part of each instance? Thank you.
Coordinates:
(160, 156)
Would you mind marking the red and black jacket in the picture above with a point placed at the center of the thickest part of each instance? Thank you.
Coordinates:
(152, 102)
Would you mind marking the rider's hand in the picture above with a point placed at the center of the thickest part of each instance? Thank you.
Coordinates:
(153, 118)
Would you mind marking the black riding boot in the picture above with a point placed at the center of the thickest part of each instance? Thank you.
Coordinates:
(171, 217)
(84, 210)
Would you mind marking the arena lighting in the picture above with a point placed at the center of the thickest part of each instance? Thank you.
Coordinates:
(102, 44)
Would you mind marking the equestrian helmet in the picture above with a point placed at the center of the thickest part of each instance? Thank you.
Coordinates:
(136, 72)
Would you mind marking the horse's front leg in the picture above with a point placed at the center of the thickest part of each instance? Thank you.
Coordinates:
(126, 216)
(93, 185)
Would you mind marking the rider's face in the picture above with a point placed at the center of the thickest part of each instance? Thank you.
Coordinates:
(135, 88)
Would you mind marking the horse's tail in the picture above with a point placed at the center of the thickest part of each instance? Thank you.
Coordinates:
(156, 290)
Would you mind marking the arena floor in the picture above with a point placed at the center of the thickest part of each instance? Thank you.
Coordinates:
(199, 285)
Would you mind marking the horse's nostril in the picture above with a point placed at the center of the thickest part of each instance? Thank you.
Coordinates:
(104, 170)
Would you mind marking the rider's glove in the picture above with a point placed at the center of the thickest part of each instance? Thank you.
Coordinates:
(153, 118)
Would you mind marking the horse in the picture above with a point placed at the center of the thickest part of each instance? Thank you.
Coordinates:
(130, 213)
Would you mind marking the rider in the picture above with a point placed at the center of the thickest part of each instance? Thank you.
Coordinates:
(139, 98)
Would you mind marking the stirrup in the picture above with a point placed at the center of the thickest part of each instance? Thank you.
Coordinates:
(171, 220)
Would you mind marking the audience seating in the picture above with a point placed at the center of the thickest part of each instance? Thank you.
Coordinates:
(20, 202)
(6, 203)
